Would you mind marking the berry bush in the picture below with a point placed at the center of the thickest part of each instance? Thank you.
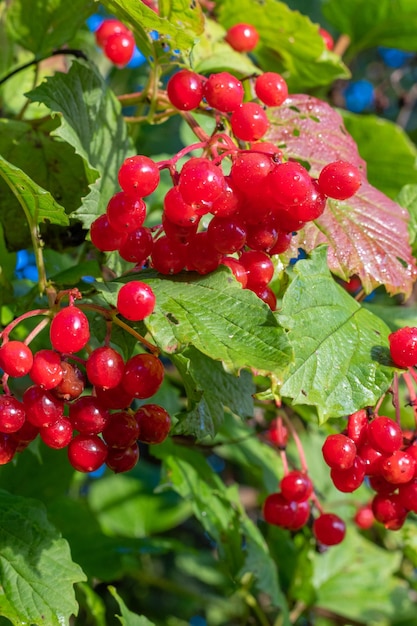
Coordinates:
(208, 331)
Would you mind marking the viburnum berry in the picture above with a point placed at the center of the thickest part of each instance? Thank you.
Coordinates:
(168, 256)
(296, 486)
(200, 182)
(46, 370)
(105, 367)
(121, 431)
(259, 267)
(301, 517)
(108, 27)
(137, 246)
(143, 375)
(289, 185)
(236, 268)
(178, 211)
(104, 237)
(41, 407)
(384, 435)
(407, 495)
(242, 37)
(69, 331)
(119, 48)
(265, 293)
(398, 468)
(138, 176)
(122, 459)
(271, 89)
(357, 426)
(249, 171)
(135, 300)
(125, 213)
(57, 435)
(115, 398)
(178, 234)
(329, 529)
(339, 180)
(154, 423)
(249, 122)
(226, 234)
(350, 479)
(185, 90)
(88, 415)
(12, 414)
(16, 358)
(202, 256)
(389, 510)
(87, 453)
(364, 517)
(8, 447)
(339, 451)
(72, 384)
(278, 510)
(223, 92)
(403, 346)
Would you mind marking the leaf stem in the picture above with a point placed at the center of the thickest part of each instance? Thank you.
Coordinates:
(79, 54)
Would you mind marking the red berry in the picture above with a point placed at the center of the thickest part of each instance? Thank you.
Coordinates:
(301, 517)
(8, 448)
(105, 367)
(249, 122)
(279, 511)
(327, 38)
(271, 88)
(104, 237)
(339, 451)
(290, 185)
(137, 246)
(223, 92)
(200, 182)
(372, 459)
(348, 480)
(202, 256)
(116, 398)
(385, 435)
(259, 267)
(407, 495)
(46, 369)
(242, 37)
(154, 423)
(357, 426)
(12, 414)
(265, 293)
(226, 234)
(282, 243)
(185, 90)
(69, 330)
(88, 415)
(168, 255)
(237, 269)
(249, 170)
(178, 211)
(41, 407)
(143, 375)
(16, 358)
(138, 176)
(121, 431)
(57, 435)
(135, 300)
(364, 517)
(87, 453)
(122, 459)
(389, 510)
(403, 346)
(107, 28)
(278, 433)
(329, 529)
(125, 213)
(340, 180)
(296, 486)
(399, 468)
(119, 48)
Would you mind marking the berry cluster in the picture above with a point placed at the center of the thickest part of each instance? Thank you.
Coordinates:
(250, 213)
(291, 506)
(116, 40)
(83, 404)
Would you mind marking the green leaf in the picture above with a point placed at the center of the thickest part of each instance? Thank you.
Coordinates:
(341, 349)
(179, 21)
(374, 23)
(289, 43)
(91, 122)
(41, 26)
(391, 157)
(206, 312)
(407, 198)
(127, 618)
(36, 570)
(209, 390)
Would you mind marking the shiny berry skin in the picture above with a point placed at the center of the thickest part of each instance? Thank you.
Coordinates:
(249, 122)
(389, 510)
(119, 48)
(107, 28)
(88, 415)
(384, 435)
(271, 89)
(137, 246)
(290, 184)
(87, 453)
(46, 369)
(357, 426)
(8, 447)
(226, 234)
(168, 255)
(399, 468)
(185, 90)
(279, 511)
(403, 346)
(135, 300)
(121, 431)
(125, 213)
(12, 414)
(72, 383)
(249, 170)
(372, 459)
(42, 408)
(223, 92)
(202, 256)
(116, 398)
(16, 358)
(138, 176)
(154, 423)
(408, 495)
(329, 529)
(301, 517)
(364, 517)
(278, 433)
(282, 243)
(122, 459)
(350, 479)
(236, 268)
(178, 211)
(339, 451)
(265, 293)
(105, 367)
(143, 375)
(340, 180)
(259, 267)
(312, 207)
(69, 331)
(296, 486)
(201, 182)
(242, 37)
(57, 435)
(104, 237)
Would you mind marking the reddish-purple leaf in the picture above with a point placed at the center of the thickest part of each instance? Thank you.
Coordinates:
(367, 234)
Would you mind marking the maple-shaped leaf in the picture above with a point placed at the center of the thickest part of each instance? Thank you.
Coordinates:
(367, 234)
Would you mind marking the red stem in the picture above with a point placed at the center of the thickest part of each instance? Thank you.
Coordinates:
(298, 444)
(411, 392)
(8, 329)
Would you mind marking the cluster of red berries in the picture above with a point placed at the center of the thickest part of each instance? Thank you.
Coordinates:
(250, 213)
(291, 506)
(116, 40)
(80, 404)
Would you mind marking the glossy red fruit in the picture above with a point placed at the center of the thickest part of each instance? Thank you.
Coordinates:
(154, 423)
(364, 517)
(138, 176)
(121, 431)
(271, 88)
(339, 451)
(12, 414)
(357, 426)
(329, 529)
(226, 234)
(57, 435)
(119, 48)
(137, 246)
(259, 267)
(41, 407)
(105, 367)
(185, 90)
(407, 495)
(296, 486)
(389, 510)
(116, 398)
(8, 447)
(340, 180)
(135, 301)
(403, 346)
(399, 468)
(177, 210)
(143, 375)
(104, 237)
(122, 459)
(169, 256)
(279, 511)
(88, 415)
(108, 27)
(72, 384)
(237, 269)
(249, 122)
(290, 185)
(265, 293)
(348, 480)
(16, 358)
(249, 170)
(201, 182)
(202, 256)
(384, 435)
(69, 331)
(125, 213)
(242, 37)
(301, 517)
(327, 38)
(87, 453)
(278, 433)
(46, 370)
(223, 92)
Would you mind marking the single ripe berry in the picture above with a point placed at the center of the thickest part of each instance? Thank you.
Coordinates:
(339, 451)
(121, 431)
(115, 398)
(69, 330)
(236, 268)
(279, 511)
(41, 407)
(16, 358)
(138, 176)
(125, 213)
(107, 28)
(339, 180)
(177, 211)
(265, 293)
(201, 182)
(185, 90)
(87, 453)
(329, 529)
(223, 92)
(88, 415)
(259, 267)
(357, 426)
(350, 479)
(364, 517)
(242, 37)
(135, 300)
(154, 423)
(57, 435)
(202, 256)
(389, 510)
(271, 89)
(168, 255)
(8, 447)
(137, 246)
(12, 414)
(385, 435)
(290, 185)
(249, 171)
(296, 486)
(403, 346)
(122, 459)
(119, 48)
(46, 369)
(249, 122)
(105, 367)
(104, 237)
(399, 468)
(226, 234)
(143, 375)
